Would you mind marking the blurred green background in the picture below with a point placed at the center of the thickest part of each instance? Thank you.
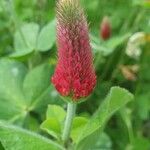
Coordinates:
(28, 58)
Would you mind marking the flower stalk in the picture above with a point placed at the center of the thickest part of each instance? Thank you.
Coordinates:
(71, 108)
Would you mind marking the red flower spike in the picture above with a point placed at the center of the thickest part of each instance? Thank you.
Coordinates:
(105, 29)
(74, 74)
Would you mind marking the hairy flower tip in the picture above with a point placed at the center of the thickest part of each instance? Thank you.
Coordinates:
(74, 74)
(105, 29)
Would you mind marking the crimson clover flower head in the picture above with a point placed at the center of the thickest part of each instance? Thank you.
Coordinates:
(105, 28)
(74, 74)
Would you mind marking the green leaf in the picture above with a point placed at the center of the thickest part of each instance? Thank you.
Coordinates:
(116, 99)
(36, 83)
(143, 104)
(52, 127)
(108, 47)
(103, 142)
(54, 120)
(21, 55)
(11, 77)
(26, 37)
(47, 37)
(23, 92)
(56, 111)
(118, 40)
(1, 147)
(144, 3)
(31, 123)
(14, 138)
(141, 143)
(126, 116)
(77, 126)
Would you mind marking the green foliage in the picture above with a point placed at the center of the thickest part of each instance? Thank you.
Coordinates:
(27, 60)
(15, 138)
(46, 37)
(78, 125)
(54, 121)
(25, 37)
(115, 100)
(103, 142)
(108, 47)
(11, 77)
(28, 38)
(85, 131)
(20, 90)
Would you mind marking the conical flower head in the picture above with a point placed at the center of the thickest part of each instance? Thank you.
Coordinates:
(105, 28)
(74, 74)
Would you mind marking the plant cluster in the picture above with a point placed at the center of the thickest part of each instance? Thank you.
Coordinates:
(74, 75)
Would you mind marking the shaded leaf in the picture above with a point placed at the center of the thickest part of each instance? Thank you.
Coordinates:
(103, 143)
(141, 143)
(14, 138)
(47, 36)
(36, 82)
(23, 92)
(11, 77)
(26, 37)
(21, 55)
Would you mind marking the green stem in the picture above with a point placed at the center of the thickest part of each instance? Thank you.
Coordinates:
(68, 122)
(127, 119)
(98, 60)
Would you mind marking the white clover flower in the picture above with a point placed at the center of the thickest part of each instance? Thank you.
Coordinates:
(133, 46)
